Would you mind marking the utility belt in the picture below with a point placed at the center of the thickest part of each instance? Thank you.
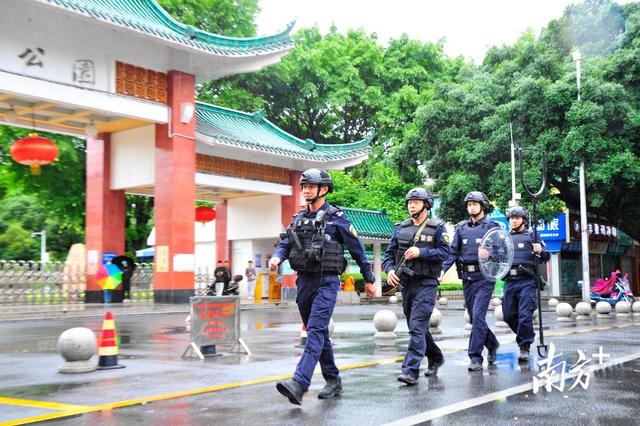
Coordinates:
(470, 267)
(519, 271)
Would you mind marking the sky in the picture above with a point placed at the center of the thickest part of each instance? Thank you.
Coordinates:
(469, 27)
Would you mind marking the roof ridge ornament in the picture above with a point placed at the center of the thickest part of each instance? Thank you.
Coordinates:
(258, 116)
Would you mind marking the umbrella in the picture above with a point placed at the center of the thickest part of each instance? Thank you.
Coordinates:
(109, 276)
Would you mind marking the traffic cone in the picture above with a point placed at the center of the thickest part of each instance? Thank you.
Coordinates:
(303, 337)
(108, 345)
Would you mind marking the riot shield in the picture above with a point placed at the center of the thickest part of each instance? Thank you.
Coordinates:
(499, 247)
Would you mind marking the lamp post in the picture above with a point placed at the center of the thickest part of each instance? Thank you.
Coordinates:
(584, 233)
(44, 258)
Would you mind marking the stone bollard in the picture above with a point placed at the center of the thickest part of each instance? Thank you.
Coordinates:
(393, 300)
(442, 302)
(385, 322)
(623, 309)
(583, 311)
(467, 323)
(603, 309)
(536, 318)
(77, 346)
(332, 327)
(434, 322)
(501, 326)
(636, 310)
(496, 301)
(564, 311)
(553, 302)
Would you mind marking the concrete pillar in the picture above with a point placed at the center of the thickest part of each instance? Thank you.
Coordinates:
(556, 287)
(105, 214)
(222, 243)
(377, 267)
(175, 195)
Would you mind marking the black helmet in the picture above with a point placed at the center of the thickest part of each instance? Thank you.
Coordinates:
(479, 197)
(420, 194)
(316, 177)
(518, 211)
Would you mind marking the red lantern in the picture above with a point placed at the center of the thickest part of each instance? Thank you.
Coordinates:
(205, 214)
(34, 151)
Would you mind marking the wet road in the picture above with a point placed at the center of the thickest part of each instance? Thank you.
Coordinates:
(240, 389)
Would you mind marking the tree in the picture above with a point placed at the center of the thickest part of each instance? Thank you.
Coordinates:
(462, 138)
(225, 17)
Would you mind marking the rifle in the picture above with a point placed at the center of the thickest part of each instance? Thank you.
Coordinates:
(402, 267)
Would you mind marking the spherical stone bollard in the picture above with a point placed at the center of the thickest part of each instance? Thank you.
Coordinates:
(603, 309)
(332, 327)
(434, 322)
(564, 311)
(553, 302)
(623, 309)
(77, 346)
(385, 322)
(636, 310)
(496, 301)
(501, 325)
(536, 318)
(393, 300)
(442, 302)
(583, 311)
(467, 323)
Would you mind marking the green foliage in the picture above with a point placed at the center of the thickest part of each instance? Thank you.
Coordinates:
(226, 17)
(16, 243)
(462, 139)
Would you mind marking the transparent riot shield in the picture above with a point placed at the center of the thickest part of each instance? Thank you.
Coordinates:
(495, 254)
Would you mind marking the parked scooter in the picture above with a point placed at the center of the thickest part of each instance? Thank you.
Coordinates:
(612, 290)
(233, 289)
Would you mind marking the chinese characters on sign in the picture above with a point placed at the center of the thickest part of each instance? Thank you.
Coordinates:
(33, 57)
(84, 71)
(557, 373)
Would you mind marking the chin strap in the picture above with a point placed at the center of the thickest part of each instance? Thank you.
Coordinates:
(419, 212)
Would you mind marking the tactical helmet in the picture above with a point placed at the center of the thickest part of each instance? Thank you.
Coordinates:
(420, 194)
(479, 197)
(316, 177)
(518, 211)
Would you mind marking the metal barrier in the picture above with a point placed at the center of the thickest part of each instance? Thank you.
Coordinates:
(33, 283)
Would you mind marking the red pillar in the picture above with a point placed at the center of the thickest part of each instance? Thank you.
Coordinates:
(105, 213)
(174, 193)
(291, 204)
(222, 243)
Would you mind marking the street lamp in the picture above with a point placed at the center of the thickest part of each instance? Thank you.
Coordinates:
(584, 234)
(44, 257)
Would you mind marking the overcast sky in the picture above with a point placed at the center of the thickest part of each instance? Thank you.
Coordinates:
(468, 26)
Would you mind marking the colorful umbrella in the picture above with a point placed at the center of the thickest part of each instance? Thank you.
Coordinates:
(109, 276)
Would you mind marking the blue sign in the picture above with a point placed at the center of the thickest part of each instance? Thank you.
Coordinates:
(553, 233)
(107, 256)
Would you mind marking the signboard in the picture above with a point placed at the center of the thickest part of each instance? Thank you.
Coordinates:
(215, 320)
(553, 233)
(162, 258)
(107, 256)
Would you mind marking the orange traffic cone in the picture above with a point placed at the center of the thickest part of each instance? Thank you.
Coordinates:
(107, 344)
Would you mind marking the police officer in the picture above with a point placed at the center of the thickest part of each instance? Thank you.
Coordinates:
(414, 259)
(476, 289)
(520, 292)
(314, 244)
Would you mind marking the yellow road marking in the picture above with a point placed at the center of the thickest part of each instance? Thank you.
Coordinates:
(39, 404)
(89, 409)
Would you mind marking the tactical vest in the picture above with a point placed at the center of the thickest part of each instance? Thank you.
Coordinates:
(320, 253)
(523, 249)
(405, 236)
(470, 238)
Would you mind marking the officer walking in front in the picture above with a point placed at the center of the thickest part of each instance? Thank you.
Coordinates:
(476, 289)
(414, 259)
(520, 292)
(314, 244)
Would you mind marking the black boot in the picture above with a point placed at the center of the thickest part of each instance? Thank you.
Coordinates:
(332, 388)
(292, 390)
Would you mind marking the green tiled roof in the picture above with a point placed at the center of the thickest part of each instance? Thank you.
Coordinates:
(253, 131)
(370, 223)
(148, 17)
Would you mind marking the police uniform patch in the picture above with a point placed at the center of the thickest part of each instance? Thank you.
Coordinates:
(445, 237)
(352, 229)
(429, 238)
(423, 237)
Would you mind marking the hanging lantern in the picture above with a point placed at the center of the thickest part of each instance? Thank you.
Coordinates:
(205, 214)
(34, 151)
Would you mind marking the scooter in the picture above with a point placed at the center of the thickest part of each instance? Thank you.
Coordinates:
(612, 290)
(233, 289)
